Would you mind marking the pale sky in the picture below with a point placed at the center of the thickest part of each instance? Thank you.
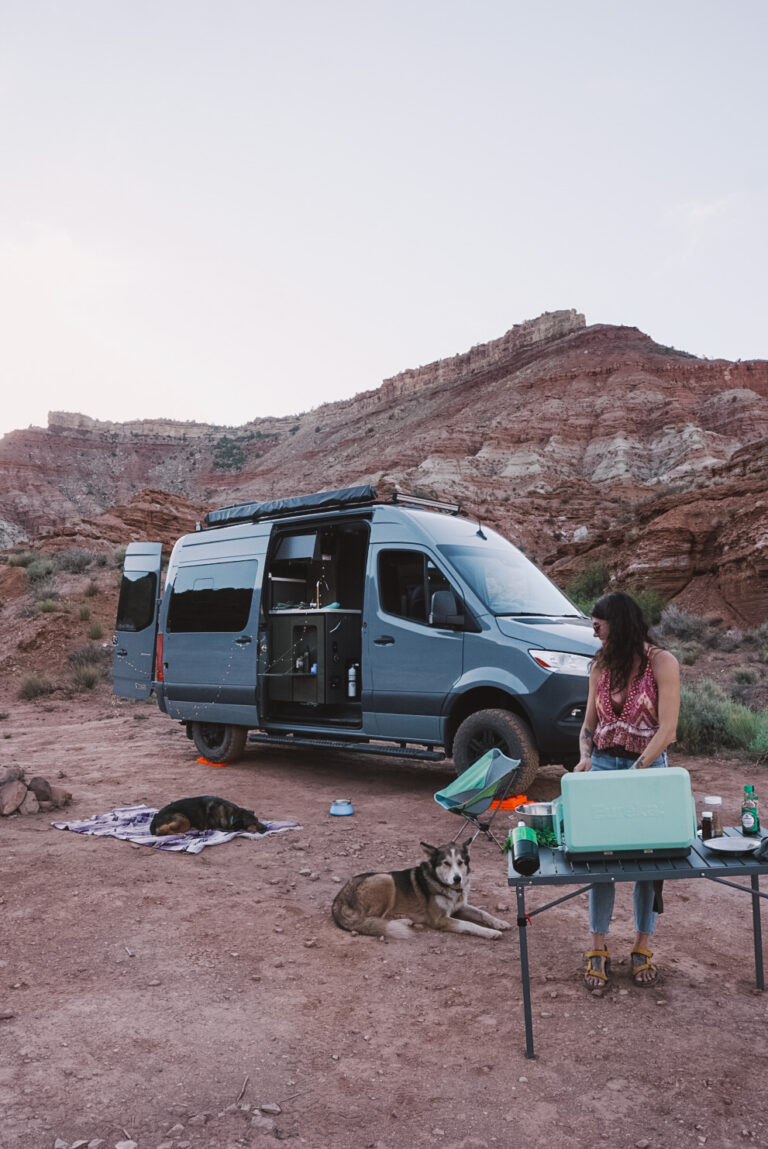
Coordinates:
(230, 209)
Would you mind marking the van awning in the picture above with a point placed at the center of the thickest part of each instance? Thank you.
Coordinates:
(275, 508)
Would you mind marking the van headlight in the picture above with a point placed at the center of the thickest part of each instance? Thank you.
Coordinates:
(561, 663)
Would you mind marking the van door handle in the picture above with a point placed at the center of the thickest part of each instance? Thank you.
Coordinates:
(384, 640)
(243, 640)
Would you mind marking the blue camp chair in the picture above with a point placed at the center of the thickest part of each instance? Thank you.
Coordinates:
(472, 794)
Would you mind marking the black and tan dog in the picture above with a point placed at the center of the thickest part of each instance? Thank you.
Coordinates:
(433, 894)
(207, 812)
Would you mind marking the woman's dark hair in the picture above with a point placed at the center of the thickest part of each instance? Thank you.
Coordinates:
(627, 638)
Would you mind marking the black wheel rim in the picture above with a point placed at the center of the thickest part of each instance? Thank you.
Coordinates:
(212, 737)
(485, 740)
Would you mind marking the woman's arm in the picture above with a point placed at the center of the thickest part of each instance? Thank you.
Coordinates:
(666, 669)
(587, 732)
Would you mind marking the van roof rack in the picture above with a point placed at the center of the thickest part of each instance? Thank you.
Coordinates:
(342, 499)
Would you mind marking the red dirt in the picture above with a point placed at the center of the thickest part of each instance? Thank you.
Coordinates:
(143, 994)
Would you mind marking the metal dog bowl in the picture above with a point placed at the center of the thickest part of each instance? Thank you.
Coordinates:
(537, 815)
(341, 806)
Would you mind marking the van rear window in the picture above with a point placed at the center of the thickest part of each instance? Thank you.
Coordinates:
(212, 597)
(136, 606)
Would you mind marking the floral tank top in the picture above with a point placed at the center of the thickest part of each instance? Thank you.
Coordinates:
(637, 722)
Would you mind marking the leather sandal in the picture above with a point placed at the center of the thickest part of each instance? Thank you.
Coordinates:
(641, 967)
(592, 971)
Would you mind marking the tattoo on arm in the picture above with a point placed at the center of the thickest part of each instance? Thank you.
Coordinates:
(586, 741)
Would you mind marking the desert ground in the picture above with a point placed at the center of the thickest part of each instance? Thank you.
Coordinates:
(163, 999)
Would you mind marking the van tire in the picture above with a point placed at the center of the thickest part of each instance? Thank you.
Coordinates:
(486, 729)
(219, 743)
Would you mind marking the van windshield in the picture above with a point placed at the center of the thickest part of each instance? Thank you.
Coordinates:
(507, 582)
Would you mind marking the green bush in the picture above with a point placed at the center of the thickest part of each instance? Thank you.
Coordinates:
(21, 560)
(702, 727)
(32, 686)
(47, 605)
(651, 604)
(96, 632)
(92, 588)
(709, 721)
(586, 587)
(85, 613)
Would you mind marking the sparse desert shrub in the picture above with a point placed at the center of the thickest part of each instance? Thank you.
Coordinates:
(92, 589)
(85, 613)
(40, 570)
(96, 632)
(47, 605)
(730, 641)
(118, 557)
(682, 624)
(32, 686)
(742, 675)
(75, 560)
(88, 655)
(86, 676)
(3, 715)
(21, 560)
(690, 654)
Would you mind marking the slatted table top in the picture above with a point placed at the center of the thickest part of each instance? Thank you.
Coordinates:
(558, 869)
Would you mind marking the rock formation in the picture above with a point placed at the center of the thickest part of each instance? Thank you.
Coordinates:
(582, 443)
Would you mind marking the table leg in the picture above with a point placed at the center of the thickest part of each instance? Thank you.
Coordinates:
(757, 932)
(522, 924)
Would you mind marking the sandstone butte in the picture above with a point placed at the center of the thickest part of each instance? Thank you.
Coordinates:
(583, 444)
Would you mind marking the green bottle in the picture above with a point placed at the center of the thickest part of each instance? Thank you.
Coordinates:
(525, 849)
(750, 820)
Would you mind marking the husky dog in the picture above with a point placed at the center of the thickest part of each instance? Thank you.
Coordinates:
(432, 894)
(204, 813)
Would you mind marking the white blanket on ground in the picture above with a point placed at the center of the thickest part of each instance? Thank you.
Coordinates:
(132, 824)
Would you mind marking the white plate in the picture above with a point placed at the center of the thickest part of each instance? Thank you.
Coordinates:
(733, 845)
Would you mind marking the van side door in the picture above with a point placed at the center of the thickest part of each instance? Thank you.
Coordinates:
(134, 638)
(411, 664)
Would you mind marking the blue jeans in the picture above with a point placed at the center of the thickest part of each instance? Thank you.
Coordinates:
(601, 896)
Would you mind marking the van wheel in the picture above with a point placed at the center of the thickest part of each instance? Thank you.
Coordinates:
(488, 729)
(219, 743)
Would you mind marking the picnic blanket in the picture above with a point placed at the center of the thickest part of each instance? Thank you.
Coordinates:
(132, 824)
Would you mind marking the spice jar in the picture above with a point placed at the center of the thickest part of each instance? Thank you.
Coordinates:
(715, 804)
(707, 829)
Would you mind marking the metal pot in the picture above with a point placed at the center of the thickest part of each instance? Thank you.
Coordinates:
(537, 815)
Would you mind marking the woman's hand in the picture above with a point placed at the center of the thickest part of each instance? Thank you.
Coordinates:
(583, 764)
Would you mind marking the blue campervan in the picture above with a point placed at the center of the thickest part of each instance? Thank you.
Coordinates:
(383, 625)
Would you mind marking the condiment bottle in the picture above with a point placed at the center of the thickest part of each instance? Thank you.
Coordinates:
(707, 825)
(715, 804)
(750, 821)
(525, 849)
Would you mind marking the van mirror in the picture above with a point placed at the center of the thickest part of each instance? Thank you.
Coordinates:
(445, 609)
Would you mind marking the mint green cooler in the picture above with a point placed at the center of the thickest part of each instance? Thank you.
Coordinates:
(626, 813)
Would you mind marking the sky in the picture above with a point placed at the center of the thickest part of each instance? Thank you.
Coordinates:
(232, 209)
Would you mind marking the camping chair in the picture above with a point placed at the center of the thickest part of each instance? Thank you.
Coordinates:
(483, 785)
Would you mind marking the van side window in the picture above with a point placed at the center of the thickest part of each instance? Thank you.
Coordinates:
(136, 606)
(407, 581)
(212, 597)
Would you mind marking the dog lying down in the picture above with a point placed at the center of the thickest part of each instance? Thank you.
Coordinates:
(206, 812)
(433, 894)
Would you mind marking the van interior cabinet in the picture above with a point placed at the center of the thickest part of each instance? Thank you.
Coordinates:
(312, 653)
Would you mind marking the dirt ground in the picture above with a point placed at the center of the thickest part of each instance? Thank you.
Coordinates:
(161, 998)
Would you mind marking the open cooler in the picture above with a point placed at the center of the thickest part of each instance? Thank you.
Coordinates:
(626, 813)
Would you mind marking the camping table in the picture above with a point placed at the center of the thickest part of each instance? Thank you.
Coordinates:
(558, 870)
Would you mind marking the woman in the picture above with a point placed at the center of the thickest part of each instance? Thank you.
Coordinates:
(631, 719)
